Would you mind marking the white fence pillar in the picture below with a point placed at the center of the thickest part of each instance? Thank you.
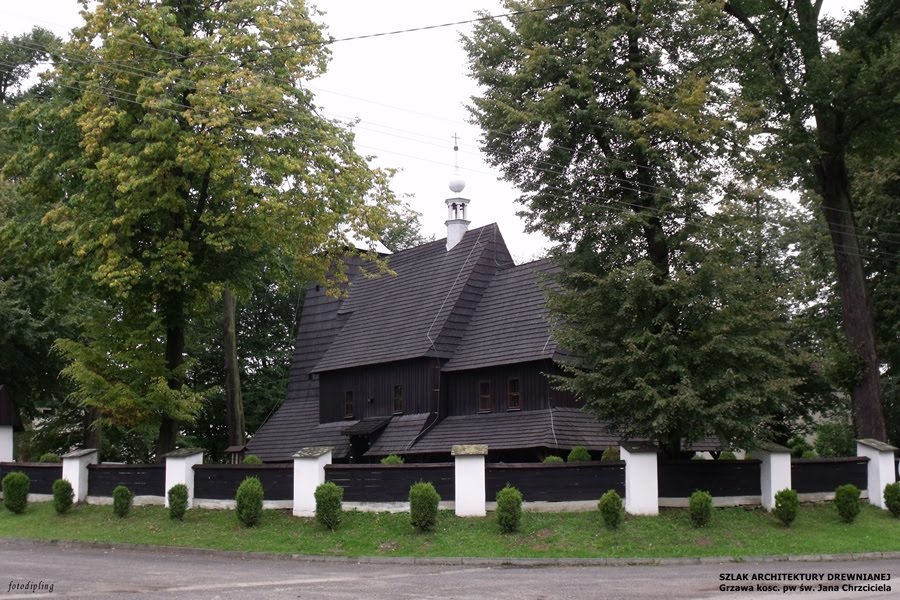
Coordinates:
(774, 472)
(75, 470)
(309, 473)
(881, 467)
(180, 469)
(470, 494)
(641, 480)
(6, 443)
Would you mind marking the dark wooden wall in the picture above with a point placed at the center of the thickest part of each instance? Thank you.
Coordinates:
(220, 482)
(42, 475)
(142, 480)
(721, 478)
(420, 380)
(812, 475)
(390, 483)
(535, 392)
(556, 482)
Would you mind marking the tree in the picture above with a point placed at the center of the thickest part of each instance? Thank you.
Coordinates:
(613, 118)
(193, 160)
(819, 90)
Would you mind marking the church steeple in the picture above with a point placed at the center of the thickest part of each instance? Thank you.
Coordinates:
(457, 207)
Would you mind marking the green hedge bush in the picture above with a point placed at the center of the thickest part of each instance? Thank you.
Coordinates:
(700, 508)
(329, 504)
(798, 446)
(892, 498)
(16, 486)
(63, 496)
(553, 459)
(49, 457)
(610, 454)
(727, 455)
(579, 454)
(392, 459)
(178, 501)
(252, 459)
(249, 501)
(835, 438)
(611, 509)
(786, 506)
(846, 500)
(809, 454)
(509, 508)
(122, 500)
(423, 506)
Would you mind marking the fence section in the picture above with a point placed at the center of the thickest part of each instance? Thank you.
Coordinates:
(220, 482)
(556, 482)
(721, 478)
(142, 480)
(818, 475)
(42, 475)
(390, 483)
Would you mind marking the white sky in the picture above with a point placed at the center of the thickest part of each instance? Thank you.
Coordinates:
(409, 92)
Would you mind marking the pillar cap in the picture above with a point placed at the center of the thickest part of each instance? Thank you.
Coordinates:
(877, 445)
(80, 453)
(633, 447)
(313, 451)
(183, 453)
(772, 447)
(469, 450)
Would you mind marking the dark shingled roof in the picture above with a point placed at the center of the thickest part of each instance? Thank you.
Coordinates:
(424, 310)
(398, 436)
(367, 426)
(510, 324)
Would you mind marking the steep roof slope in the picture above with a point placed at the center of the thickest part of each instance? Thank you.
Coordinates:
(424, 309)
(510, 324)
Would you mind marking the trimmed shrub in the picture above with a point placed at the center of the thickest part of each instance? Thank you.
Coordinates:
(16, 486)
(809, 454)
(579, 454)
(727, 455)
(611, 509)
(252, 459)
(329, 498)
(509, 508)
(700, 508)
(798, 446)
(553, 459)
(249, 500)
(63, 496)
(610, 454)
(392, 459)
(835, 438)
(846, 500)
(892, 498)
(49, 457)
(178, 501)
(122, 499)
(423, 506)
(786, 506)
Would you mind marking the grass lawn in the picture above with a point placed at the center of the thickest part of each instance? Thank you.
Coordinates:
(733, 532)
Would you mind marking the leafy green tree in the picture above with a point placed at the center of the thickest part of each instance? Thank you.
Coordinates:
(613, 118)
(817, 91)
(190, 159)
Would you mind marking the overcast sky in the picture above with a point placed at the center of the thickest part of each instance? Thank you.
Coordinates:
(409, 92)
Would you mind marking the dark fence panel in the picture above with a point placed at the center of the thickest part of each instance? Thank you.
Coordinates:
(142, 480)
(42, 475)
(390, 483)
(556, 482)
(721, 478)
(811, 475)
(220, 482)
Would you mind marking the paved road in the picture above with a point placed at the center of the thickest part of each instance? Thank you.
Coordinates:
(97, 573)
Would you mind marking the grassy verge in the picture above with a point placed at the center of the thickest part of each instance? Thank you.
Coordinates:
(732, 532)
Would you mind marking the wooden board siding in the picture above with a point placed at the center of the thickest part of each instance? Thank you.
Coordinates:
(534, 388)
(220, 482)
(376, 382)
(721, 478)
(812, 475)
(42, 475)
(390, 483)
(142, 480)
(556, 483)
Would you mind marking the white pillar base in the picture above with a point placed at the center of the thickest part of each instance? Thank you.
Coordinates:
(881, 468)
(774, 472)
(309, 473)
(6, 443)
(641, 479)
(180, 469)
(75, 470)
(469, 488)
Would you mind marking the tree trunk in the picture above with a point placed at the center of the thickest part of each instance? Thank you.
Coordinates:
(233, 402)
(856, 308)
(174, 315)
(92, 433)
